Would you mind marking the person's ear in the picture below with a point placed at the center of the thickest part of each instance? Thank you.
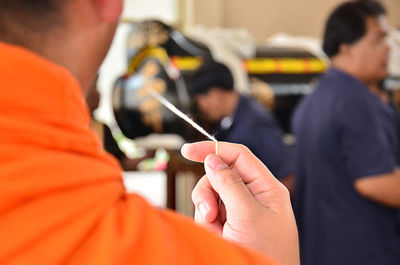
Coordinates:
(345, 49)
(108, 10)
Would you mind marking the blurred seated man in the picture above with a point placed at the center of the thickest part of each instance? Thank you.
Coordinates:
(240, 119)
(62, 199)
(347, 179)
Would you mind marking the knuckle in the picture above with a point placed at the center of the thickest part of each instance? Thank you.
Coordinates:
(199, 191)
(283, 191)
(244, 149)
(195, 194)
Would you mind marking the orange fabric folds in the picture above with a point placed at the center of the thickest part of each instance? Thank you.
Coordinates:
(62, 200)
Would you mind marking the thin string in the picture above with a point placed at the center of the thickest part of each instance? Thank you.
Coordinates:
(180, 114)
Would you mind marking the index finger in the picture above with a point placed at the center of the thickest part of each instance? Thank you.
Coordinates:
(236, 156)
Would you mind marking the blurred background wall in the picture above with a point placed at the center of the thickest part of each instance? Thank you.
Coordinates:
(264, 18)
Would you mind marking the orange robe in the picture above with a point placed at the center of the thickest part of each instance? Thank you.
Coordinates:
(62, 199)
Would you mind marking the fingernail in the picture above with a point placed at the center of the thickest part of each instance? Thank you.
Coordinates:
(184, 148)
(215, 162)
(203, 208)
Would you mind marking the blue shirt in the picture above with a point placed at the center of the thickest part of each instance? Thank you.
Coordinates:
(390, 123)
(253, 126)
(343, 133)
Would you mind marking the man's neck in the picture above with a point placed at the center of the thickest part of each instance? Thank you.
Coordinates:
(343, 65)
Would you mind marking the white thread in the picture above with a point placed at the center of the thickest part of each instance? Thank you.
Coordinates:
(180, 114)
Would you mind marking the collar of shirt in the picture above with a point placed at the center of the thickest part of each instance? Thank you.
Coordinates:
(227, 122)
(338, 74)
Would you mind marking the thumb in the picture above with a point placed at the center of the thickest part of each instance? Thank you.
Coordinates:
(228, 184)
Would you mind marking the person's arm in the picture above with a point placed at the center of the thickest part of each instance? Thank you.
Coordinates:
(255, 211)
(383, 189)
(367, 151)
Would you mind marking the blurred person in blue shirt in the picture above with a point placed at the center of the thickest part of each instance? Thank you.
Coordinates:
(347, 180)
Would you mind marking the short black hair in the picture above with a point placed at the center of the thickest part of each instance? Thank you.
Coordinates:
(29, 16)
(347, 23)
(210, 75)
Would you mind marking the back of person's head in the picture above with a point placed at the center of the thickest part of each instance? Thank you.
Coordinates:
(211, 75)
(347, 23)
(20, 19)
